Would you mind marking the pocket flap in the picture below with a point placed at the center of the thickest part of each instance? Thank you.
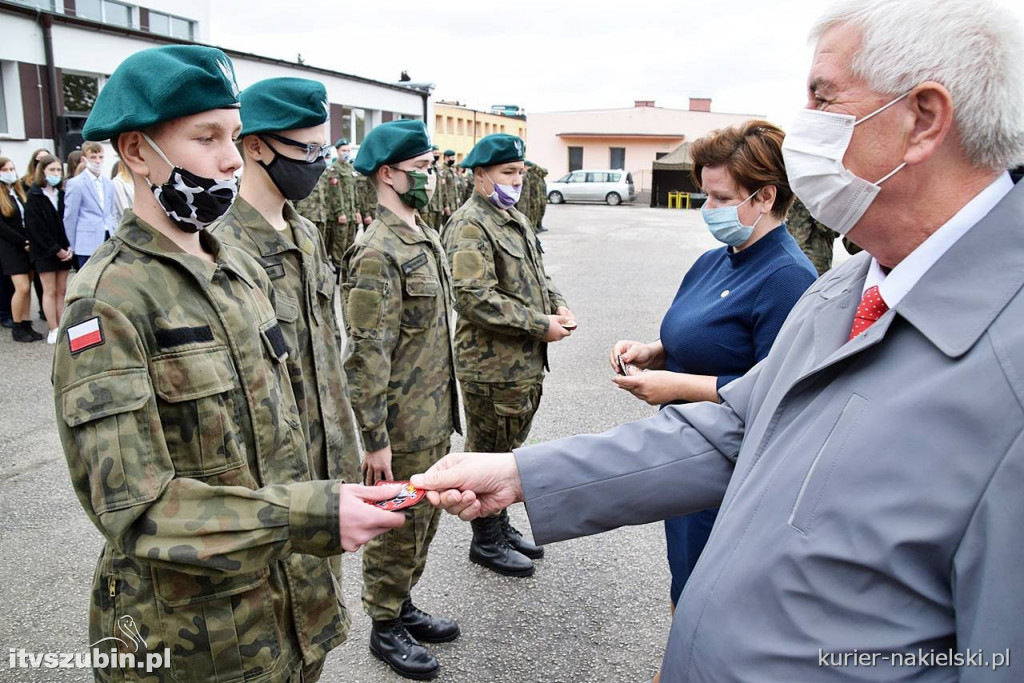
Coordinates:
(511, 401)
(511, 245)
(421, 286)
(176, 589)
(286, 307)
(189, 375)
(104, 395)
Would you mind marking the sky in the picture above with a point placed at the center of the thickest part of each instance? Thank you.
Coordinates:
(749, 57)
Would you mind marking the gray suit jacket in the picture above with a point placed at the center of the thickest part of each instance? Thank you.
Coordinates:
(872, 490)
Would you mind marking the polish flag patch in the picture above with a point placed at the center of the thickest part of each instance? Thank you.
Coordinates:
(85, 335)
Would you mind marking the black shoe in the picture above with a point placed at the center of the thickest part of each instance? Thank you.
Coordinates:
(19, 334)
(8, 322)
(427, 628)
(490, 549)
(391, 643)
(516, 540)
(27, 326)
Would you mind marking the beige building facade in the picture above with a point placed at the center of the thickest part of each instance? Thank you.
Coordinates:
(458, 128)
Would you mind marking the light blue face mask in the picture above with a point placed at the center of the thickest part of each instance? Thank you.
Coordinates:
(724, 223)
(54, 180)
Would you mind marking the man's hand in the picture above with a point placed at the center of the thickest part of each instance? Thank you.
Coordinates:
(342, 219)
(556, 329)
(360, 521)
(566, 313)
(377, 466)
(472, 485)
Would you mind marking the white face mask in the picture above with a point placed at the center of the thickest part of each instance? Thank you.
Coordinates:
(94, 168)
(813, 152)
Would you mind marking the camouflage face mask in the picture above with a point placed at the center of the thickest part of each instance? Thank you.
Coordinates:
(191, 201)
(420, 189)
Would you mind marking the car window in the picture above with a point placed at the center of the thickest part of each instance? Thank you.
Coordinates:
(597, 177)
(615, 177)
(578, 177)
(563, 179)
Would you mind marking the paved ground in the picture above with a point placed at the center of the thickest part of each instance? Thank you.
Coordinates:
(597, 608)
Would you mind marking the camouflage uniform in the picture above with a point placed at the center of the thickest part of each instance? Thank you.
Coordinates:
(541, 198)
(503, 297)
(433, 213)
(366, 195)
(814, 239)
(400, 364)
(185, 448)
(314, 207)
(304, 285)
(341, 201)
(448, 183)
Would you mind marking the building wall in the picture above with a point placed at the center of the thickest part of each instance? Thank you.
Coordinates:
(642, 131)
(459, 128)
(84, 51)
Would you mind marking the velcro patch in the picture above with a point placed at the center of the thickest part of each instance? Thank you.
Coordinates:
(370, 266)
(413, 264)
(468, 265)
(471, 232)
(364, 308)
(85, 335)
(179, 336)
(276, 338)
(275, 269)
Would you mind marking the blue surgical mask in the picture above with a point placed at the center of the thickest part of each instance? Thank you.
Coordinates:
(724, 223)
(54, 180)
(504, 196)
(8, 177)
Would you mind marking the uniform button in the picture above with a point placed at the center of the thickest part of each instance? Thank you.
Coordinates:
(724, 294)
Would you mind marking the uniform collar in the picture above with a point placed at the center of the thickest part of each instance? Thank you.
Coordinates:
(143, 237)
(400, 229)
(268, 240)
(498, 216)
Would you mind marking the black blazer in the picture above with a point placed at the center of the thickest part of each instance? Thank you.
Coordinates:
(45, 224)
(12, 228)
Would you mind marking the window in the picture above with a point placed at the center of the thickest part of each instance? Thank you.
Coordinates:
(107, 11)
(182, 28)
(618, 157)
(597, 177)
(575, 158)
(614, 177)
(4, 128)
(358, 125)
(438, 123)
(118, 14)
(449, 125)
(461, 126)
(578, 177)
(159, 23)
(48, 5)
(80, 91)
(89, 9)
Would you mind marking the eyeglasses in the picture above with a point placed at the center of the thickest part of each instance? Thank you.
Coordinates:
(429, 170)
(313, 152)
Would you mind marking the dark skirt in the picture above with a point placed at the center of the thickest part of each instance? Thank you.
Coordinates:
(13, 261)
(52, 264)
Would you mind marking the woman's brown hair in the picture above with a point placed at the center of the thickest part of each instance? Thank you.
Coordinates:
(7, 207)
(752, 154)
(39, 179)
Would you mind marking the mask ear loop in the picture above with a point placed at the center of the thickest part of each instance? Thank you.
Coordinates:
(160, 152)
(883, 107)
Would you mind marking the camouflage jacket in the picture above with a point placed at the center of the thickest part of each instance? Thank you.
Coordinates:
(341, 191)
(815, 240)
(448, 184)
(400, 361)
(314, 207)
(185, 448)
(438, 199)
(367, 196)
(303, 284)
(502, 293)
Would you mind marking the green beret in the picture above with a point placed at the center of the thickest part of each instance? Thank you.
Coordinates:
(499, 148)
(341, 142)
(286, 103)
(390, 143)
(449, 152)
(434, 148)
(161, 84)
(529, 163)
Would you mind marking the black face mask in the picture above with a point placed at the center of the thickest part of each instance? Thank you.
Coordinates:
(191, 201)
(450, 162)
(293, 178)
(436, 158)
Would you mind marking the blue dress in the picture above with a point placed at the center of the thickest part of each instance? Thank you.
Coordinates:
(724, 319)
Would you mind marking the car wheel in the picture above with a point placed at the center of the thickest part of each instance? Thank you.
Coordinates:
(555, 198)
(613, 199)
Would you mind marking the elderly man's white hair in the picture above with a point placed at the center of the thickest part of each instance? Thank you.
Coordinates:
(974, 48)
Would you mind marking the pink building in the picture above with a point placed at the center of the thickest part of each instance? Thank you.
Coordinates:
(630, 139)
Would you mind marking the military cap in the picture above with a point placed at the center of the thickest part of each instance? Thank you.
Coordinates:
(283, 104)
(341, 142)
(390, 143)
(434, 148)
(498, 148)
(161, 84)
(529, 163)
(449, 152)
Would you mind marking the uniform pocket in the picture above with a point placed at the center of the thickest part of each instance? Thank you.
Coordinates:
(364, 307)
(823, 467)
(419, 310)
(199, 409)
(286, 307)
(112, 417)
(514, 408)
(220, 628)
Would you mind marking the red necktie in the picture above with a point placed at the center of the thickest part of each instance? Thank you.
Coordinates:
(871, 309)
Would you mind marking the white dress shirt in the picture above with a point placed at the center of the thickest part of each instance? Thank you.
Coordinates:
(894, 286)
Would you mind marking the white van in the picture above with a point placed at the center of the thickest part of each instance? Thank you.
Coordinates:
(611, 186)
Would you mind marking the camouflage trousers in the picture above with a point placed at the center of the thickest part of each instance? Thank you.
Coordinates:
(394, 561)
(307, 673)
(499, 414)
(433, 219)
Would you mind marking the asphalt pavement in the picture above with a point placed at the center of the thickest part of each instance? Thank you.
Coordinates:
(597, 608)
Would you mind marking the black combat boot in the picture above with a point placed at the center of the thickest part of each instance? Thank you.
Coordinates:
(490, 549)
(27, 326)
(516, 539)
(391, 643)
(21, 333)
(425, 627)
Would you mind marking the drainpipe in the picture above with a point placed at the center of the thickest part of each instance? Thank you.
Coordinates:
(46, 22)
